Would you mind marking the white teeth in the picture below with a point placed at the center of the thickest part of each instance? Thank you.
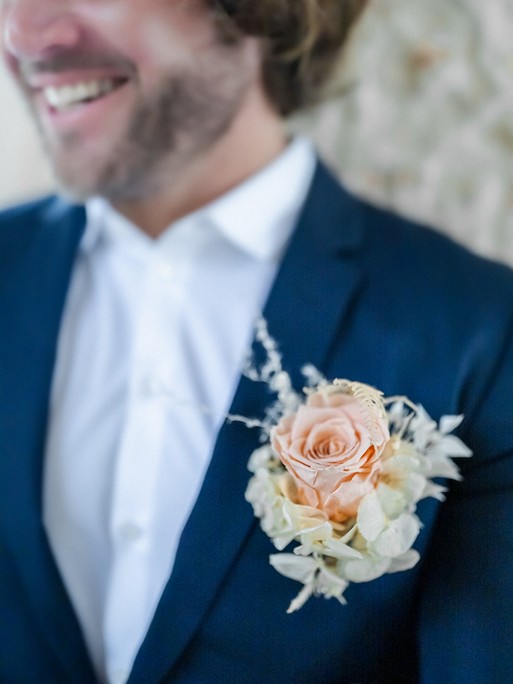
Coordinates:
(71, 95)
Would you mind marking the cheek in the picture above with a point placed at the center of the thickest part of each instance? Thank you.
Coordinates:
(140, 31)
(165, 31)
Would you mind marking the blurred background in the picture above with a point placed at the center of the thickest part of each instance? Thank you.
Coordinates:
(425, 125)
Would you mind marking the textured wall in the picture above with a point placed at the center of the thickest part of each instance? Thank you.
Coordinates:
(426, 125)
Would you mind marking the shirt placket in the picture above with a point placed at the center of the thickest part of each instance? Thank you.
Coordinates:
(139, 464)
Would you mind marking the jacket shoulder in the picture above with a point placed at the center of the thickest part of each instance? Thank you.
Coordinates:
(400, 252)
(22, 225)
(430, 265)
(26, 215)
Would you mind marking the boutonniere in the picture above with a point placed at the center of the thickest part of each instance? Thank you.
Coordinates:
(340, 473)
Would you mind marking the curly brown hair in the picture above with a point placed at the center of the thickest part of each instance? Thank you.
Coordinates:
(302, 39)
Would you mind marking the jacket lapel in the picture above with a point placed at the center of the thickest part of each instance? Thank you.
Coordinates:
(303, 319)
(36, 256)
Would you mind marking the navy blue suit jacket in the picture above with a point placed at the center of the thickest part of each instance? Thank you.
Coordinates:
(363, 295)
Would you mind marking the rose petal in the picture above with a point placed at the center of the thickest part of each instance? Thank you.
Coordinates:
(327, 449)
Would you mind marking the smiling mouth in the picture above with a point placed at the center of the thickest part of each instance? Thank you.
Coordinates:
(67, 97)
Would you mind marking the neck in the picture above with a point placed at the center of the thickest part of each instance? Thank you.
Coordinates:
(256, 137)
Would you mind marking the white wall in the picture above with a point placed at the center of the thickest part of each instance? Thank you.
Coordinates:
(23, 171)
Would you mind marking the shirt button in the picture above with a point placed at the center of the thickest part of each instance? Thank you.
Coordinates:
(130, 532)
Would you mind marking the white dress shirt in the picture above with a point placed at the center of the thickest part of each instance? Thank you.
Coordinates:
(152, 341)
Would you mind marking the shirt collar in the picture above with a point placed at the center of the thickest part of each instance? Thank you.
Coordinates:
(258, 216)
(104, 223)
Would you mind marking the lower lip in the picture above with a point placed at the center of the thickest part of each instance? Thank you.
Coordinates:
(82, 115)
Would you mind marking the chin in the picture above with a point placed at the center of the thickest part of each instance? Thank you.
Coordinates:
(75, 188)
(114, 188)
(80, 182)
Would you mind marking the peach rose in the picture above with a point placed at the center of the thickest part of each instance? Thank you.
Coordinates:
(327, 449)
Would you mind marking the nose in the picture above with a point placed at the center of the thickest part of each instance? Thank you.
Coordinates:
(34, 29)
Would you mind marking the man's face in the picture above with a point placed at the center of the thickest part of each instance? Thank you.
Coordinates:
(126, 93)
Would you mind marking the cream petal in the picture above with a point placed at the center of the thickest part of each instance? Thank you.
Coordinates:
(398, 536)
(407, 561)
(299, 568)
(392, 501)
(338, 549)
(371, 519)
(366, 569)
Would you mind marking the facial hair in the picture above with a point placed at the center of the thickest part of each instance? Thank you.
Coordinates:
(182, 117)
(178, 122)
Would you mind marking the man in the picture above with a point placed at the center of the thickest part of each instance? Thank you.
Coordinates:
(127, 551)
